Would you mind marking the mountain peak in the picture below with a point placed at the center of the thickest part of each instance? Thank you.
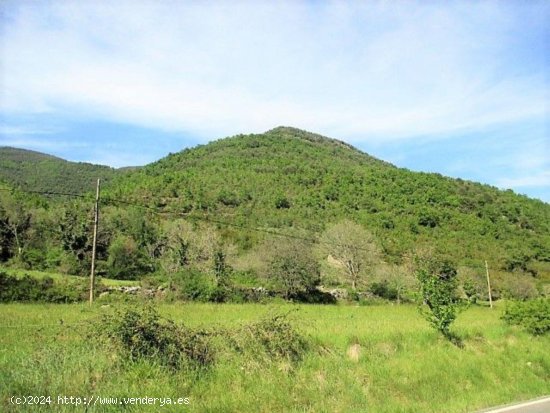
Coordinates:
(290, 131)
(287, 129)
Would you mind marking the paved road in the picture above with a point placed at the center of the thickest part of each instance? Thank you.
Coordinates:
(540, 405)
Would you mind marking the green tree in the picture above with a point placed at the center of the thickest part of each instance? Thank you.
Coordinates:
(438, 284)
(126, 259)
(74, 235)
(15, 221)
(293, 268)
(6, 236)
(398, 279)
(176, 246)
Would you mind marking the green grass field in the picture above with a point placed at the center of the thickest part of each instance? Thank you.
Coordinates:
(362, 359)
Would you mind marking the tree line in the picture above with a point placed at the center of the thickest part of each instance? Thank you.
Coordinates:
(211, 261)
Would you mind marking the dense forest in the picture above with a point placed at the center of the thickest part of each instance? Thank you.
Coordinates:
(256, 208)
(35, 171)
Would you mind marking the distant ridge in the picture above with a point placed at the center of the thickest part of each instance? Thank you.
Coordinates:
(36, 171)
(21, 155)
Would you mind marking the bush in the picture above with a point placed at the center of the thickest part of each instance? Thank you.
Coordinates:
(70, 264)
(126, 260)
(54, 257)
(384, 290)
(45, 289)
(315, 296)
(275, 337)
(32, 258)
(228, 198)
(221, 294)
(282, 203)
(143, 334)
(518, 287)
(279, 338)
(533, 315)
(192, 285)
(72, 291)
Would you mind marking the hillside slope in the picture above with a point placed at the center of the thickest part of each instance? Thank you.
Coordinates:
(35, 171)
(288, 178)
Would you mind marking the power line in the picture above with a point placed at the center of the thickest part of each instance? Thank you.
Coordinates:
(211, 220)
(180, 215)
(165, 213)
(240, 226)
(45, 193)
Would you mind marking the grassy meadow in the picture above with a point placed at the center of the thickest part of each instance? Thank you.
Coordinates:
(381, 358)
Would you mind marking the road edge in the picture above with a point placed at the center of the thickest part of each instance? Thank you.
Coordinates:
(507, 407)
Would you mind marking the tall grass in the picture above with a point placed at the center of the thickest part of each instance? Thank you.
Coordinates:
(360, 359)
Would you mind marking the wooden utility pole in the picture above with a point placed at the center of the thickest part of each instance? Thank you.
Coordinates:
(488, 284)
(96, 222)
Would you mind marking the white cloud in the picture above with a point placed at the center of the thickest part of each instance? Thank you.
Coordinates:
(355, 71)
(541, 179)
(24, 130)
(39, 144)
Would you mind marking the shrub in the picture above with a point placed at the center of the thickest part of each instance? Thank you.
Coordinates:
(384, 290)
(315, 296)
(279, 338)
(126, 260)
(33, 258)
(428, 219)
(282, 203)
(533, 315)
(192, 285)
(228, 198)
(52, 257)
(518, 287)
(221, 294)
(71, 291)
(143, 334)
(275, 337)
(70, 264)
(44, 289)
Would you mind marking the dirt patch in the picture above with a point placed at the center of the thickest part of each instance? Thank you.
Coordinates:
(354, 352)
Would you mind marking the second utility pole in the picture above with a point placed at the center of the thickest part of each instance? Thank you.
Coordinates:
(96, 222)
(488, 284)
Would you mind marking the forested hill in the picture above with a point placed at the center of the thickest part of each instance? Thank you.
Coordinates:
(295, 180)
(35, 171)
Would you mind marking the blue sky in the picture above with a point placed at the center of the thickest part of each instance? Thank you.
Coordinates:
(459, 88)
